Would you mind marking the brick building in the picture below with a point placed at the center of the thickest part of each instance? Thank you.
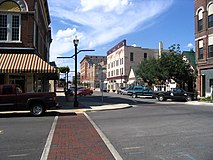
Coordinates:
(203, 15)
(90, 69)
(25, 38)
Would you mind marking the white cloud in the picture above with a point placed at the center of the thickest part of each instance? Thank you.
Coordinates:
(98, 22)
(105, 5)
(190, 45)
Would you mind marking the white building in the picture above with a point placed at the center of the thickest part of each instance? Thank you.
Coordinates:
(121, 58)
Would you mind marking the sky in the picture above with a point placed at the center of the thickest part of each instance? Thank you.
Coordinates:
(101, 24)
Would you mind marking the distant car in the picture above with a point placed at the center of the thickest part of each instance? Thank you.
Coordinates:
(145, 93)
(87, 91)
(81, 91)
(134, 89)
(120, 89)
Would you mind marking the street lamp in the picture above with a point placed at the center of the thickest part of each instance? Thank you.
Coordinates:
(75, 42)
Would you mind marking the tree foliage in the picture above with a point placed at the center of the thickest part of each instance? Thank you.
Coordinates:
(64, 69)
(169, 66)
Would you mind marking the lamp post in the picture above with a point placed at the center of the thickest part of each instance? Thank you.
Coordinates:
(76, 41)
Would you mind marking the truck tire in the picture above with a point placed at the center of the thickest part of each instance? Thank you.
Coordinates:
(37, 109)
(134, 95)
(161, 98)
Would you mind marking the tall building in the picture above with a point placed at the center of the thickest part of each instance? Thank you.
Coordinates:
(90, 69)
(121, 58)
(25, 37)
(203, 16)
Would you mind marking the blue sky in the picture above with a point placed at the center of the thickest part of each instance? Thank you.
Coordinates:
(101, 24)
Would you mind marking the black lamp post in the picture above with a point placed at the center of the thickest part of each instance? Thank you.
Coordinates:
(76, 41)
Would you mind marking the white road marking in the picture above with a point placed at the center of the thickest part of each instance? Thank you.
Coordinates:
(105, 139)
(18, 155)
(46, 150)
(1, 131)
(130, 148)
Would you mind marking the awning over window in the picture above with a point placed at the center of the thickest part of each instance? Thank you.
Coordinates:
(24, 63)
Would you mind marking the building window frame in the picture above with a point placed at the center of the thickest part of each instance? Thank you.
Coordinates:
(131, 56)
(11, 29)
(145, 56)
(199, 14)
(210, 51)
(210, 21)
(200, 49)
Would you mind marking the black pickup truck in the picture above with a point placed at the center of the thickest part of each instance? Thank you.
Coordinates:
(176, 94)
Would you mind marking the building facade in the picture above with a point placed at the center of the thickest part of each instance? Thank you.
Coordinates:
(121, 58)
(91, 70)
(25, 38)
(203, 11)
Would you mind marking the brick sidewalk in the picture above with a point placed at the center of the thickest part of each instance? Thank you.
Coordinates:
(75, 138)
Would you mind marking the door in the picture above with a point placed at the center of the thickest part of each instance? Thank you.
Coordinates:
(7, 98)
(203, 86)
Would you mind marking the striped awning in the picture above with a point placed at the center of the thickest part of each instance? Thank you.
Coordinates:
(24, 63)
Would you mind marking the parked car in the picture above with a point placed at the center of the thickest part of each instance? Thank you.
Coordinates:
(124, 91)
(145, 93)
(134, 89)
(120, 89)
(13, 99)
(176, 94)
(81, 91)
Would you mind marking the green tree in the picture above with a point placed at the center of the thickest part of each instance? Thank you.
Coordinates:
(169, 66)
(64, 69)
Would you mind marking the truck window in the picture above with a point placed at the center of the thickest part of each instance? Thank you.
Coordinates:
(18, 90)
(7, 90)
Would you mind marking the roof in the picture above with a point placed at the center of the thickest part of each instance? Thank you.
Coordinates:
(191, 57)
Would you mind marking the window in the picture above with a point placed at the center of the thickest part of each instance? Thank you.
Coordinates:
(210, 51)
(210, 15)
(200, 20)
(131, 56)
(210, 82)
(210, 46)
(108, 66)
(10, 23)
(9, 27)
(117, 72)
(117, 62)
(200, 49)
(145, 56)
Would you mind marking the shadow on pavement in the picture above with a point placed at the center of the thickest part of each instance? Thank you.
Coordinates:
(97, 100)
(15, 114)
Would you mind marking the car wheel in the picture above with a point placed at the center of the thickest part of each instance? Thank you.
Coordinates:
(161, 98)
(188, 98)
(37, 109)
(134, 95)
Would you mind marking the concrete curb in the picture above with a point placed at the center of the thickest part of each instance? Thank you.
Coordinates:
(94, 108)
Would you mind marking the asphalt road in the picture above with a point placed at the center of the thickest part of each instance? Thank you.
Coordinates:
(148, 131)
(23, 137)
(159, 131)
